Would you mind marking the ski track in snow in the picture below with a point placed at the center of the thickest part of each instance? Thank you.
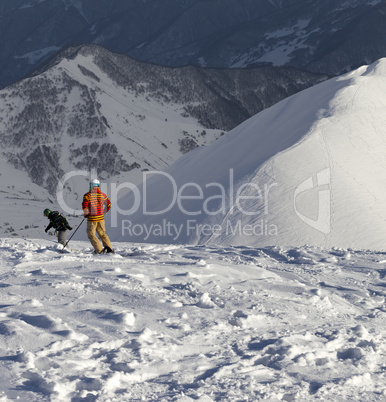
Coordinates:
(181, 323)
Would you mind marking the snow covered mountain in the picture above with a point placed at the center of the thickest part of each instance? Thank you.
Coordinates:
(91, 110)
(329, 36)
(309, 170)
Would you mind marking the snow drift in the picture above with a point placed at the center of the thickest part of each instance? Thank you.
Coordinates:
(177, 323)
(309, 170)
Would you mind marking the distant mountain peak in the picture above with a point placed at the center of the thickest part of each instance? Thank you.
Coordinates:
(328, 37)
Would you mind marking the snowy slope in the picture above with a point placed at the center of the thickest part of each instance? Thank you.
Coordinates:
(21, 204)
(309, 170)
(175, 323)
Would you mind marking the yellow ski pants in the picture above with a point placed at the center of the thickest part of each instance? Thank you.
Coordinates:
(99, 228)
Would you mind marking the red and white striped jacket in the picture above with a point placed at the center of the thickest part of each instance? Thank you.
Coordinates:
(95, 204)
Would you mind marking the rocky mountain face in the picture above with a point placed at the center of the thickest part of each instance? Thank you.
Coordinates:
(329, 36)
(95, 110)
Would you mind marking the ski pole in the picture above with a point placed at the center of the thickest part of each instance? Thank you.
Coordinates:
(72, 235)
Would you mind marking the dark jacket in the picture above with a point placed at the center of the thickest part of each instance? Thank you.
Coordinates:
(58, 222)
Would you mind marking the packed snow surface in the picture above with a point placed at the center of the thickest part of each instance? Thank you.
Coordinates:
(182, 323)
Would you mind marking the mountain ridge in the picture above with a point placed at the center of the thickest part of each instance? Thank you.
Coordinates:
(329, 38)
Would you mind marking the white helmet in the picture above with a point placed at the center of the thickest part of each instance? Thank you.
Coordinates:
(94, 183)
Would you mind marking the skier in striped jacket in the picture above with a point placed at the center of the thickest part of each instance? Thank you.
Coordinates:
(95, 205)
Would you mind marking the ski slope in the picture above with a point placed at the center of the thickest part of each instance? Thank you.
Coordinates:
(309, 170)
(184, 323)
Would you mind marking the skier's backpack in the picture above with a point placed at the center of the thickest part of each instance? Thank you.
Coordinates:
(59, 221)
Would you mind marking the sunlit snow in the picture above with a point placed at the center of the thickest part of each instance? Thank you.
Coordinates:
(177, 323)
